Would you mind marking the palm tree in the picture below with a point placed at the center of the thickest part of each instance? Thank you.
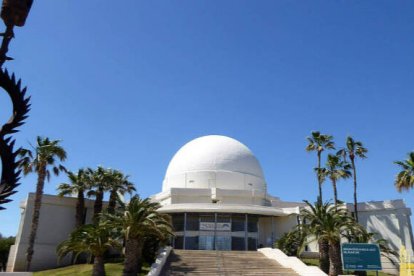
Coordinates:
(140, 220)
(99, 183)
(328, 222)
(94, 239)
(119, 186)
(77, 185)
(353, 149)
(46, 154)
(336, 169)
(405, 178)
(319, 142)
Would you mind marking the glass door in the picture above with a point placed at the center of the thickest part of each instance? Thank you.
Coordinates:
(206, 242)
(223, 242)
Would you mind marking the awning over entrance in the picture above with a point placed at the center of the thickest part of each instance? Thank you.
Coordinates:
(228, 208)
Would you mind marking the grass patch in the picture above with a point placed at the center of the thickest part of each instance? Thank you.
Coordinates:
(114, 269)
(314, 262)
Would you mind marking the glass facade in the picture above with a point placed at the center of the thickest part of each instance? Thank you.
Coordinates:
(215, 231)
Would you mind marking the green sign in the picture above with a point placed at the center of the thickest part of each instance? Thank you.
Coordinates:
(361, 256)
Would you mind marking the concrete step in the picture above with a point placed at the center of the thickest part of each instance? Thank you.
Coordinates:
(199, 262)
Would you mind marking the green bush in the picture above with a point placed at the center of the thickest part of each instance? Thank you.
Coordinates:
(5, 244)
(291, 243)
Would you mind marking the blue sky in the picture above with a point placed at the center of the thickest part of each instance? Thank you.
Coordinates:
(126, 85)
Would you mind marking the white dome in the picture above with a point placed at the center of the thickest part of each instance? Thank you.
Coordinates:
(214, 162)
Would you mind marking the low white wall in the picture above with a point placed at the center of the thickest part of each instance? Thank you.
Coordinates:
(291, 262)
(159, 263)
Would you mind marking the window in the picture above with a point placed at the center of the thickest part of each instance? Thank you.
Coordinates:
(192, 222)
(178, 222)
(237, 243)
(252, 224)
(237, 222)
(178, 242)
(252, 243)
(191, 243)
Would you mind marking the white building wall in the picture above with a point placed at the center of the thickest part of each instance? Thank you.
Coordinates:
(56, 222)
(390, 219)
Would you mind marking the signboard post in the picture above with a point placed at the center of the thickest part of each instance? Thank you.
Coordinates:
(361, 256)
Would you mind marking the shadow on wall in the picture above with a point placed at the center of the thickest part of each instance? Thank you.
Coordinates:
(388, 227)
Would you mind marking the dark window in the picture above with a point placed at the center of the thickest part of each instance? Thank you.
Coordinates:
(192, 222)
(252, 244)
(207, 218)
(178, 222)
(252, 224)
(237, 243)
(178, 242)
(191, 243)
(237, 223)
(223, 218)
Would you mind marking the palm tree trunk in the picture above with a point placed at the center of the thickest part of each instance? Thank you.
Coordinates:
(36, 214)
(80, 208)
(133, 253)
(319, 177)
(335, 258)
(335, 192)
(98, 266)
(324, 255)
(355, 191)
(112, 201)
(97, 207)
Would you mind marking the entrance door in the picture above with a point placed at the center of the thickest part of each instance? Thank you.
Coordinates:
(223, 242)
(206, 242)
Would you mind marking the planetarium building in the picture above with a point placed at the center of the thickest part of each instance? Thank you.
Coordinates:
(216, 194)
(215, 191)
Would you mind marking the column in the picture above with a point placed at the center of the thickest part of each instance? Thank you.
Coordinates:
(215, 231)
(246, 232)
(273, 231)
(185, 229)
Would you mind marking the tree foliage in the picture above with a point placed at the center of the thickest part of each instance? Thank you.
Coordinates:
(292, 243)
(5, 244)
(405, 178)
(94, 239)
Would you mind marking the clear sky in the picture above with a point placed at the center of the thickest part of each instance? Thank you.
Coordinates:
(125, 84)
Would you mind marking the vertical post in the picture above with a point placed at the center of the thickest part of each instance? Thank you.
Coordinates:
(215, 231)
(246, 233)
(185, 229)
(273, 231)
(258, 233)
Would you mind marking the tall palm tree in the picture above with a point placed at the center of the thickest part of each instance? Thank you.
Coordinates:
(405, 178)
(336, 169)
(319, 142)
(99, 183)
(119, 185)
(44, 155)
(78, 184)
(94, 239)
(328, 222)
(140, 220)
(354, 149)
